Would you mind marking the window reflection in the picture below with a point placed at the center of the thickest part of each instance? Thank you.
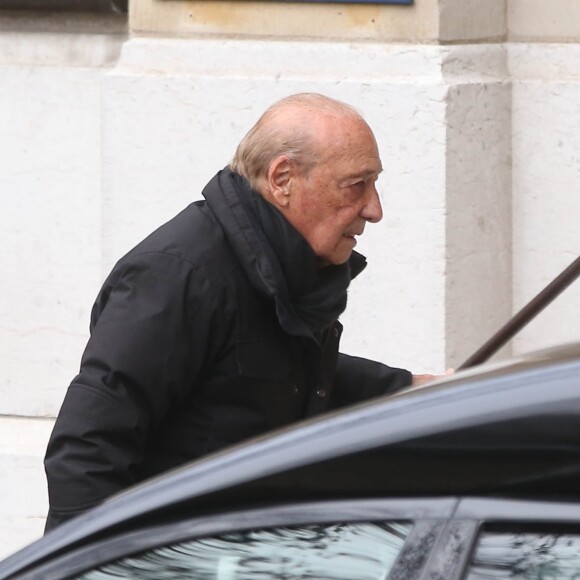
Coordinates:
(323, 552)
(526, 556)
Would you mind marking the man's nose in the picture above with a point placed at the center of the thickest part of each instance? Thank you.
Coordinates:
(372, 210)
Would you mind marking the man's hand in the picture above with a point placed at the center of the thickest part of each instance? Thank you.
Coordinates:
(422, 379)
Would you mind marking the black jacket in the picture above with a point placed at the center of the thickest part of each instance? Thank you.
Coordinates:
(193, 347)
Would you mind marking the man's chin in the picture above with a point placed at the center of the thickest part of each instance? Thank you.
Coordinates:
(337, 260)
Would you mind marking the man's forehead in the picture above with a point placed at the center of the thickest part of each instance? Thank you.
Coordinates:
(362, 162)
(349, 142)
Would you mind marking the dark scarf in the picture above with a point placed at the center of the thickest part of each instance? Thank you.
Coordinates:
(315, 295)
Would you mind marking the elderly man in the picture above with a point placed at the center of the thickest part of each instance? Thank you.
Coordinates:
(222, 324)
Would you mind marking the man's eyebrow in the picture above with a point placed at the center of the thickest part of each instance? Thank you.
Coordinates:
(364, 173)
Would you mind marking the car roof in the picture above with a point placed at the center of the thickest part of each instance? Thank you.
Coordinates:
(502, 429)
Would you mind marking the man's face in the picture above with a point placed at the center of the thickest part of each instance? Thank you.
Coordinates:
(331, 203)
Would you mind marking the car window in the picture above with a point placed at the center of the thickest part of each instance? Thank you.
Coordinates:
(526, 556)
(348, 551)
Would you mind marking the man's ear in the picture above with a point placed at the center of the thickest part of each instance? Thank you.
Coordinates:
(279, 177)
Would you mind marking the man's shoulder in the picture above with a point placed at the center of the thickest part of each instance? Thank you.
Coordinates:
(188, 256)
(193, 236)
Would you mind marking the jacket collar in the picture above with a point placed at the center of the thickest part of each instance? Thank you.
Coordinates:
(278, 261)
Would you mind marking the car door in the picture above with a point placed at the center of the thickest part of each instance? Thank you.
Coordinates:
(333, 540)
(370, 539)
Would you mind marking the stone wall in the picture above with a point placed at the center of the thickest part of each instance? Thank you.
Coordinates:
(108, 132)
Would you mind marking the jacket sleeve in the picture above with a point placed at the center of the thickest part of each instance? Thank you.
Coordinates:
(150, 335)
(358, 379)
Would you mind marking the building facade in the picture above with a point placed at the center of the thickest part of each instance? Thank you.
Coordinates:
(112, 122)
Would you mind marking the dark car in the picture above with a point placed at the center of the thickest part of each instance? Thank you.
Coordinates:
(476, 476)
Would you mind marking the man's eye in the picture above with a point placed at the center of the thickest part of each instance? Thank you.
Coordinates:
(356, 188)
